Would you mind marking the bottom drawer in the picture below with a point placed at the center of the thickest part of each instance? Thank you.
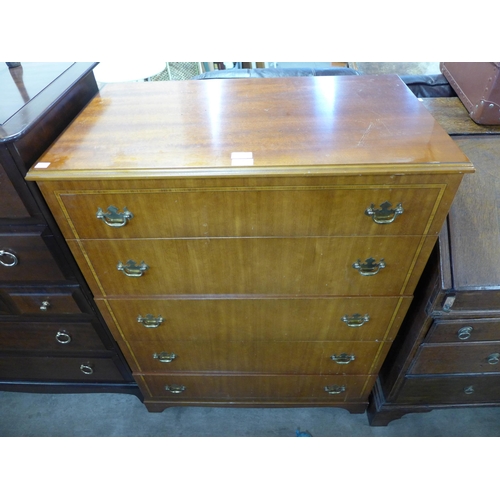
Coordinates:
(232, 387)
(57, 369)
(460, 389)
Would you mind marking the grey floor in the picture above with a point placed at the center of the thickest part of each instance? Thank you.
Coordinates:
(123, 415)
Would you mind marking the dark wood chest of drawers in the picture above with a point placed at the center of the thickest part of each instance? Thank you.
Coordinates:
(253, 242)
(52, 337)
(447, 353)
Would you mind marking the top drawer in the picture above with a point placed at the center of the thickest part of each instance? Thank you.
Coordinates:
(250, 211)
(11, 205)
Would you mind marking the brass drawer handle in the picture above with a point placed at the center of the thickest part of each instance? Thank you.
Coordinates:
(343, 359)
(45, 305)
(175, 389)
(465, 332)
(63, 337)
(9, 260)
(493, 358)
(384, 214)
(369, 267)
(131, 269)
(149, 321)
(87, 369)
(165, 357)
(469, 390)
(114, 219)
(335, 389)
(356, 320)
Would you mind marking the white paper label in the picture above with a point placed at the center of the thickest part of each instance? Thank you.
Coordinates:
(42, 164)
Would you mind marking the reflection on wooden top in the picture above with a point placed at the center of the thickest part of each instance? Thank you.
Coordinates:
(291, 126)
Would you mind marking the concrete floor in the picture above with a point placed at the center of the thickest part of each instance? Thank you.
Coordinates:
(123, 415)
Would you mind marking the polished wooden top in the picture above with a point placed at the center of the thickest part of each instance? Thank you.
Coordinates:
(291, 126)
(29, 90)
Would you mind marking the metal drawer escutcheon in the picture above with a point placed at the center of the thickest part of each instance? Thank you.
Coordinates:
(165, 357)
(384, 214)
(8, 259)
(343, 359)
(335, 389)
(149, 321)
(131, 269)
(369, 267)
(175, 389)
(356, 320)
(114, 219)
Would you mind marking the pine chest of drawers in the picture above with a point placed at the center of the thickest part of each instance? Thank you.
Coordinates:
(253, 242)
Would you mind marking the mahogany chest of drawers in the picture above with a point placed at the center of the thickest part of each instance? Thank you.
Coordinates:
(253, 242)
(447, 353)
(52, 337)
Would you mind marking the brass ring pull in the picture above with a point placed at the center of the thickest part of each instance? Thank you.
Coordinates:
(465, 332)
(87, 369)
(9, 260)
(493, 358)
(131, 269)
(384, 214)
(343, 359)
(369, 267)
(469, 390)
(45, 305)
(335, 389)
(356, 320)
(165, 357)
(149, 321)
(175, 389)
(114, 219)
(63, 337)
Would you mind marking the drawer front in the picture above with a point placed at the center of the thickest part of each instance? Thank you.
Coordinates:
(26, 257)
(464, 331)
(214, 319)
(257, 387)
(275, 211)
(11, 205)
(451, 389)
(474, 303)
(57, 337)
(56, 369)
(306, 266)
(51, 300)
(357, 358)
(481, 357)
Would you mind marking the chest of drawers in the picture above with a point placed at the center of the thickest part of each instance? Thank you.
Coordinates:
(448, 351)
(256, 242)
(52, 337)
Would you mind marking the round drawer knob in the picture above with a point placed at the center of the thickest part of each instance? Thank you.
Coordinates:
(63, 337)
(469, 390)
(87, 369)
(493, 358)
(8, 259)
(465, 332)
